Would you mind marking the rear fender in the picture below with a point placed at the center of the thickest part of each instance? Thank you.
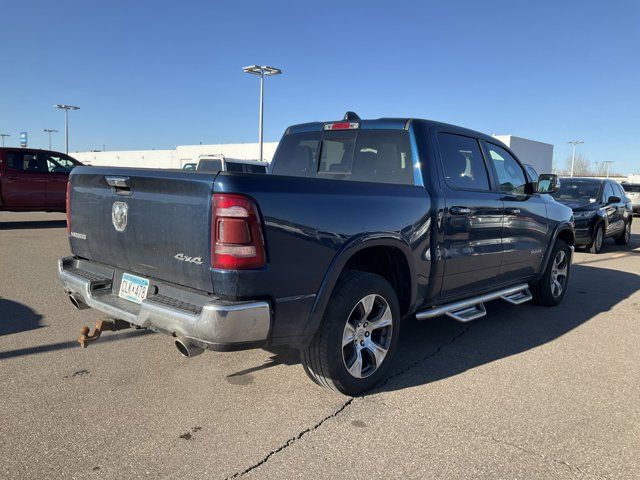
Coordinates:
(337, 267)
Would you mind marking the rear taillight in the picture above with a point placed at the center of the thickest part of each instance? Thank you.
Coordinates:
(236, 233)
(68, 207)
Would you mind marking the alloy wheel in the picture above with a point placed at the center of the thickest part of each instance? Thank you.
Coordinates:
(367, 336)
(559, 271)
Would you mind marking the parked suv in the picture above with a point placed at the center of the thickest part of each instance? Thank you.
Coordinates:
(633, 192)
(34, 180)
(359, 224)
(601, 209)
(219, 163)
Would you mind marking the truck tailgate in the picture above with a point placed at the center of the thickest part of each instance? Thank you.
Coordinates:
(168, 217)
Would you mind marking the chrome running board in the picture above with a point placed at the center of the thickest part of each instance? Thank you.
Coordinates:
(473, 308)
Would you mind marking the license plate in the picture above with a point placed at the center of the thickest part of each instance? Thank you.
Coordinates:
(133, 288)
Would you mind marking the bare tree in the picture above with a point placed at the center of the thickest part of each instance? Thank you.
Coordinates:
(582, 166)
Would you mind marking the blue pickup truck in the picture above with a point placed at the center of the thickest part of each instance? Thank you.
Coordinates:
(358, 224)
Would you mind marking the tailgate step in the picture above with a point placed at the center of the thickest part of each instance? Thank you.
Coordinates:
(96, 280)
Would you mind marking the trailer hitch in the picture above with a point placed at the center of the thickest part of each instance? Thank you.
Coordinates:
(100, 326)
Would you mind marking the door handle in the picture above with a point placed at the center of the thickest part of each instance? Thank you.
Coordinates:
(460, 211)
(512, 211)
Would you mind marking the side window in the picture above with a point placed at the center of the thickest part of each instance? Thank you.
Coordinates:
(256, 169)
(55, 163)
(234, 167)
(14, 160)
(462, 162)
(620, 190)
(608, 192)
(510, 173)
(34, 163)
(336, 154)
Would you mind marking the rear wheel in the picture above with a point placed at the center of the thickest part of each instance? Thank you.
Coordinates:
(625, 236)
(552, 286)
(598, 237)
(357, 338)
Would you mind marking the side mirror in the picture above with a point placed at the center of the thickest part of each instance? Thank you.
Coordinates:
(548, 183)
(613, 199)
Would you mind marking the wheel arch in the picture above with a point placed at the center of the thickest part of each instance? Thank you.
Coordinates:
(354, 254)
(564, 231)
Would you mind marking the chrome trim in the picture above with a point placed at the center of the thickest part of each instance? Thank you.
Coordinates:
(217, 323)
(450, 308)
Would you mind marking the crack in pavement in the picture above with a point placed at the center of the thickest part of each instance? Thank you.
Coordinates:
(297, 437)
(292, 440)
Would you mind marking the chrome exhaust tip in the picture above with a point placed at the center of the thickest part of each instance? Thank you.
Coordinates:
(77, 302)
(186, 348)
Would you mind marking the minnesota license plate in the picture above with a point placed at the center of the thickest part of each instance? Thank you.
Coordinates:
(133, 288)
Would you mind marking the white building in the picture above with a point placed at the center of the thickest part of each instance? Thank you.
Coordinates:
(175, 158)
(537, 154)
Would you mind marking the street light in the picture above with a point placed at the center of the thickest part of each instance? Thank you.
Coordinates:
(4, 135)
(66, 109)
(261, 71)
(49, 131)
(608, 162)
(573, 155)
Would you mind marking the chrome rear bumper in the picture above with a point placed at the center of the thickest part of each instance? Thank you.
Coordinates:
(214, 322)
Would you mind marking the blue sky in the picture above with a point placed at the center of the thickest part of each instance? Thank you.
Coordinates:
(159, 74)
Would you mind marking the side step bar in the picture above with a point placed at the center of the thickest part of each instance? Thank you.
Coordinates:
(473, 308)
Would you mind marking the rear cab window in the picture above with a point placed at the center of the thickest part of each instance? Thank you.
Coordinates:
(378, 156)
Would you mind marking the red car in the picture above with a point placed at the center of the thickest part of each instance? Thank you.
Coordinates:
(34, 180)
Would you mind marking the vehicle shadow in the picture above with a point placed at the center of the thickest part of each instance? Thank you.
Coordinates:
(16, 317)
(426, 352)
(33, 224)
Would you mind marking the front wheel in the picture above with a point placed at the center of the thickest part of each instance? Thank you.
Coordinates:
(553, 284)
(354, 345)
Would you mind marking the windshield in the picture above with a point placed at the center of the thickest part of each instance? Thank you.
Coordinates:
(579, 192)
(631, 188)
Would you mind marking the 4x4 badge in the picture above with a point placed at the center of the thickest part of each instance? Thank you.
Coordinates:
(119, 214)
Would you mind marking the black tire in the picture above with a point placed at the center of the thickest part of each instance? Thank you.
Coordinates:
(324, 358)
(596, 244)
(625, 237)
(544, 292)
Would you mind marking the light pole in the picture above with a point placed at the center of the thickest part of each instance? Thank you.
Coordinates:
(49, 131)
(573, 155)
(4, 135)
(608, 162)
(66, 109)
(261, 71)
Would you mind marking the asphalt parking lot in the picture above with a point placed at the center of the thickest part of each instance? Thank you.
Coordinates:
(526, 392)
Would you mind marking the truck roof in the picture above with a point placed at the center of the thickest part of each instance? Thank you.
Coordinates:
(388, 124)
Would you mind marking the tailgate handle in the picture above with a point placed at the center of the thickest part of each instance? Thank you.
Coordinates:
(120, 185)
